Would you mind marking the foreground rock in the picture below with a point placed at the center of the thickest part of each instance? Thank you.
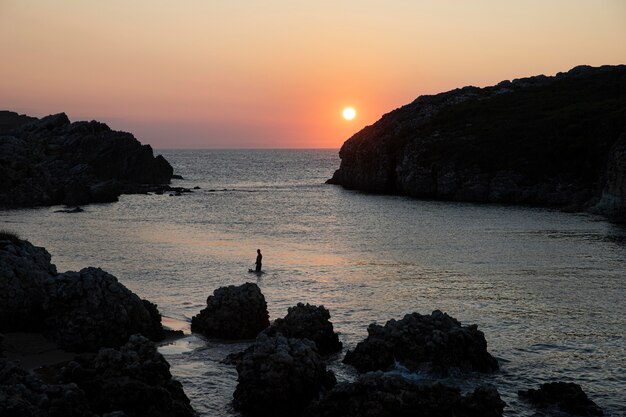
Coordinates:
(80, 311)
(51, 161)
(24, 395)
(90, 309)
(380, 395)
(233, 312)
(280, 376)
(435, 343)
(23, 271)
(566, 396)
(134, 379)
(308, 322)
(549, 141)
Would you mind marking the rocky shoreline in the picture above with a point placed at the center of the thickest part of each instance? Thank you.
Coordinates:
(284, 372)
(51, 161)
(544, 141)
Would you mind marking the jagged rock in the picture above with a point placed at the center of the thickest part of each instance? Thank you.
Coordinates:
(539, 140)
(90, 309)
(233, 312)
(51, 161)
(310, 322)
(567, 396)
(280, 376)
(435, 343)
(134, 379)
(23, 271)
(378, 395)
(22, 394)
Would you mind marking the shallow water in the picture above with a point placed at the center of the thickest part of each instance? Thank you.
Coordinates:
(547, 288)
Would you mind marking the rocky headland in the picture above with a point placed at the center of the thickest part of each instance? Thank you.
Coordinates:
(52, 161)
(548, 141)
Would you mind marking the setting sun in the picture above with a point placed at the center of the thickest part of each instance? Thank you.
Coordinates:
(349, 113)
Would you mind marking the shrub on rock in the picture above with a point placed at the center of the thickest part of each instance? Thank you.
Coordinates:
(567, 396)
(279, 376)
(435, 343)
(90, 309)
(233, 312)
(308, 322)
(378, 395)
(134, 380)
(23, 271)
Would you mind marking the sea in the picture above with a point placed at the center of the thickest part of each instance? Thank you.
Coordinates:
(547, 288)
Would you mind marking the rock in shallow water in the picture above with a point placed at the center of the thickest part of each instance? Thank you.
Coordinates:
(308, 322)
(280, 376)
(90, 309)
(233, 312)
(379, 395)
(567, 396)
(435, 343)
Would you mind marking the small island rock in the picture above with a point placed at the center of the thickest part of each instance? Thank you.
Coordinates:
(233, 312)
(310, 322)
(566, 396)
(435, 343)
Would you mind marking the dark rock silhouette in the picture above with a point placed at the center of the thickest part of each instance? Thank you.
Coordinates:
(134, 379)
(80, 311)
(51, 161)
(233, 312)
(280, 376)
(308, 322)
(435, 343)
(378, 395)
(566, 396)
(540, 141)
(90, 309)
(23, 271)
(22, 394)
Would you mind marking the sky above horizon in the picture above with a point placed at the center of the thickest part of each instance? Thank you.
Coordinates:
(278, 73)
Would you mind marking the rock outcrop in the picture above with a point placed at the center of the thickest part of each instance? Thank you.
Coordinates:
(51, 161)
(308, 322)
(23, 271)
(280, 376)
(90, 309)
(436, 343)
(538, 141)
(80, 311)
(566, 396)
(233, 312)
(22, 394)
(134, 379)
(378, 395)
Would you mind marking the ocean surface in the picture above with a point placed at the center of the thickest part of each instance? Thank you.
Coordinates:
(547, 288)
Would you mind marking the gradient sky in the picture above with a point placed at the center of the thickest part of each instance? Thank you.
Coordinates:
(274, 73)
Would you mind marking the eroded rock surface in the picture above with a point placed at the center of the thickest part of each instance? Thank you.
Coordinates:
(90, 309)
(566, 396)
(305, 321)
(378, 395)
(435, 343)
(280, 376)
(233, 312)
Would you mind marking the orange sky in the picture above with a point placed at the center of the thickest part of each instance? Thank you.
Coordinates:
(277, 73)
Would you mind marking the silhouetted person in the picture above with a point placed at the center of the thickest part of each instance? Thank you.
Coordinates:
(259, 257)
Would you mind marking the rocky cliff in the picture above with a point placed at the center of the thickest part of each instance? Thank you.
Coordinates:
(548, 141)
(51, 161)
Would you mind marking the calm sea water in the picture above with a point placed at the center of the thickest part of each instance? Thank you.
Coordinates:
(547, 288)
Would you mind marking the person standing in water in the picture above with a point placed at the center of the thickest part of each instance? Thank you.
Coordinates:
(259, 258)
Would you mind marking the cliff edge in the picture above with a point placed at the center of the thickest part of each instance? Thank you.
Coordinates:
(548, 141)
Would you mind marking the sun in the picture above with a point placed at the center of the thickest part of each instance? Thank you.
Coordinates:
(349, 113)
